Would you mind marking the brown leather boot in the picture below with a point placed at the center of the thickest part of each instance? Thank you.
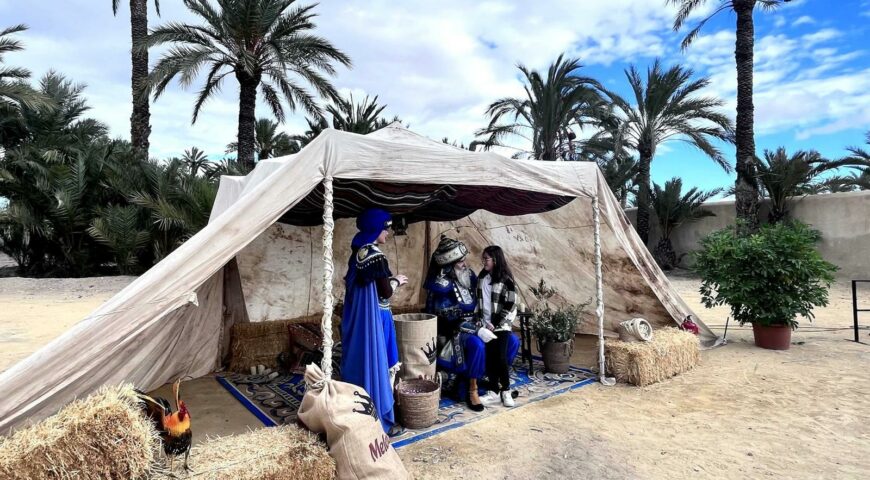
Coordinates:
(473, 400)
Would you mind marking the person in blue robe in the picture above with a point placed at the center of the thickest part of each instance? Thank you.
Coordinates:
(451, 296)
(370, 355)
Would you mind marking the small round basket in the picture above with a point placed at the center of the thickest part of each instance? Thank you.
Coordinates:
(418, 402)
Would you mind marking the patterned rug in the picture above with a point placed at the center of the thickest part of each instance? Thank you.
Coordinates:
(275, 401)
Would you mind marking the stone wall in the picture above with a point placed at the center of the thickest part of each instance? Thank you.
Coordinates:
(843, 219)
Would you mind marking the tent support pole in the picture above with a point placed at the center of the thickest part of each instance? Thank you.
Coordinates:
(599, 294)
(328, 269)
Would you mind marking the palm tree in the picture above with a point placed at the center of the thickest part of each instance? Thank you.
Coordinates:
(349, 116)
(362, 118)
(861, 179)
(674, 208)
(746, 185)
(269, 141)
(119, 228)
(783, 177)
(849, 183)
(195, 160)
(52, 182)
(140, 126)
(315, 127)
(227, 166)
(859, 153)
(178, 204)
(552, 109)
(620, 172)
(667, 107)
(607, 147)
(265, 44)
(14, 92)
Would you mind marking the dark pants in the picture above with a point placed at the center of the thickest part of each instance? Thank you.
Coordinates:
(499, 356)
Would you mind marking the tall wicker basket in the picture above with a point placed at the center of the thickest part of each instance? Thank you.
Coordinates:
(418, 402)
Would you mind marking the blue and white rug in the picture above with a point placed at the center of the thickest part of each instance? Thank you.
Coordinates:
(275, 401)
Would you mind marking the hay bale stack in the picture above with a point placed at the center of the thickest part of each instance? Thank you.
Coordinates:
(276, 453)
(671, 352)
(102, 436)
(259, 343)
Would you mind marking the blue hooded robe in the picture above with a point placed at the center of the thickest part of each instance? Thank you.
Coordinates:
(368, 334)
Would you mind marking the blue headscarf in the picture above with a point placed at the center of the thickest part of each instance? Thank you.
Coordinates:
(371, 222)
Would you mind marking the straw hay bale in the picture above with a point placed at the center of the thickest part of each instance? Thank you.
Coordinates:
(671, 352)
(259, 343)
(276, 453)
(102, 436)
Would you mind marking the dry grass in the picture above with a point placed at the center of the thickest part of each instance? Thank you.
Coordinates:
(671, 352)
(102, 436)
(259, 343)
(278, 453)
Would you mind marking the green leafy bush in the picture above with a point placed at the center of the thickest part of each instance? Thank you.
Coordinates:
(767, 278)
(553, 324)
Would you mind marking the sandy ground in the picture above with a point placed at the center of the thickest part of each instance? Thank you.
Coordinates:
(744, 413)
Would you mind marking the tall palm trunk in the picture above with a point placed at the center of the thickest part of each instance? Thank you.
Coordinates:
(746, 186)
(140, 128)
(643, 191)
(247, 103)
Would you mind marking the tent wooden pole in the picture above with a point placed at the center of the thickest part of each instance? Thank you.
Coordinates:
(328, 270)
(599, 293)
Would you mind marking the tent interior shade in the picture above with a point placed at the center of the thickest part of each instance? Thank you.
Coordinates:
(419, 202)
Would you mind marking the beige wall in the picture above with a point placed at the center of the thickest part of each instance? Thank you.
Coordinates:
(843, 219)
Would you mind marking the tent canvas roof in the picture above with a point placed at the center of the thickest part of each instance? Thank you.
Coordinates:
(168, 323)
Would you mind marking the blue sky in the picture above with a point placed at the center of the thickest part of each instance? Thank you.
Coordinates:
(438, 64)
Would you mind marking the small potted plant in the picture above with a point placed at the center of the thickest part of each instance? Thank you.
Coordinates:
(554, 328)
(768, 278)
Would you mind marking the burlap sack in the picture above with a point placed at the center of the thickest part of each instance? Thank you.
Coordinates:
(416, 335)
(356, 439)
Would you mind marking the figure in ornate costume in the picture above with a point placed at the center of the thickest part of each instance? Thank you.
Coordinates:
(370, 355)
(452, 290)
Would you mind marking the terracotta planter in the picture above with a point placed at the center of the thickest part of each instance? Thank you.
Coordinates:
(557, 356)
(774, 337)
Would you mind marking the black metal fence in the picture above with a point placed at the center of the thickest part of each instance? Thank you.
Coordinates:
(855, 308)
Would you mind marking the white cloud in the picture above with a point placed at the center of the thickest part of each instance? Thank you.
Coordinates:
(436, 65)
(809, 91)
(803, 20)
(821, 36)
(793, 4)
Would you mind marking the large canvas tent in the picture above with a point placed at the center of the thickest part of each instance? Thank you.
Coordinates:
(267, 253)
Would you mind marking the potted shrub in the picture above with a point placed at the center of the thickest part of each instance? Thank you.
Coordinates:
(768, 278)
(554, 328)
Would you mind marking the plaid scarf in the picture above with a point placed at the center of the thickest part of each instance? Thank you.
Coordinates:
(504, 301)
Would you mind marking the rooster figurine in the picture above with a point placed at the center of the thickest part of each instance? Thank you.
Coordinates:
(690, 326)
(173, 427)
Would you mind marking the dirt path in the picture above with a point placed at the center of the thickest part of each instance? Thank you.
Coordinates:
(35, 311)
(744, 413)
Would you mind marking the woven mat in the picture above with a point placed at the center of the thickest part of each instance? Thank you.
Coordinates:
(275, 401)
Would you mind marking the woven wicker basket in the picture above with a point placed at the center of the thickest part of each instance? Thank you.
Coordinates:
(418, 402)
